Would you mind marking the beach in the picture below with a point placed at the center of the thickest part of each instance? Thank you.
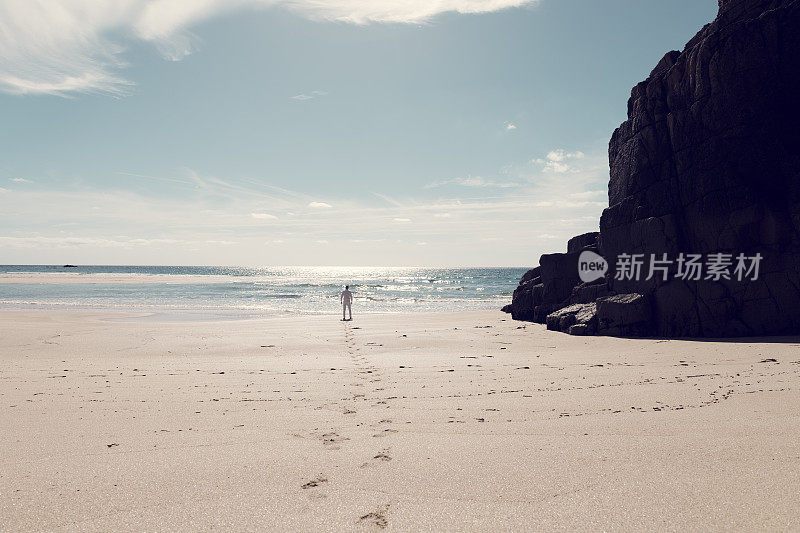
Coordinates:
(574, 293)
(441, 421)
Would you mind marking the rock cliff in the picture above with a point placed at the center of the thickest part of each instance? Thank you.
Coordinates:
(708, 162)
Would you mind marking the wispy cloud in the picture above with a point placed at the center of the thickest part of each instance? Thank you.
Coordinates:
(20, 180)
(387, 199)
(64, 47)
(510, 126)
(63, 242)
(309, 96)
(475, 181)
(213, 219)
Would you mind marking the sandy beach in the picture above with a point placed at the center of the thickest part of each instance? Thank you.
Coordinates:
(428, 422)
(569, 233)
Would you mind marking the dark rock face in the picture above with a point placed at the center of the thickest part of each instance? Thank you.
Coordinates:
(708, 162)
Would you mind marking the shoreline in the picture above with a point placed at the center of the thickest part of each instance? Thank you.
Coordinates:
(450, 421)
(213, 315)
(309, 292)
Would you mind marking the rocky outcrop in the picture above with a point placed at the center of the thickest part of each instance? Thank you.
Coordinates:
(555, 284)
(706, 163)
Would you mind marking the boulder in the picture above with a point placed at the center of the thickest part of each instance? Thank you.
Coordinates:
(567, 318)
(583, 242)
(524, 300)
(559, 273)
(624, 315)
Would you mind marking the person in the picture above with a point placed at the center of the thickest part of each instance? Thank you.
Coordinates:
(346, 298)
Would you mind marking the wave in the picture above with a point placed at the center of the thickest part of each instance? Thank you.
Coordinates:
(270, 291)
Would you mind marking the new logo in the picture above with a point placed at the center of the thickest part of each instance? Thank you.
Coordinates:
(591, 266)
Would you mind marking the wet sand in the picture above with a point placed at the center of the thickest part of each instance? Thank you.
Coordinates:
(465, 421)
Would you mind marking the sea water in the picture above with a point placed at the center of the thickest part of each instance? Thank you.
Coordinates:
(259, 291)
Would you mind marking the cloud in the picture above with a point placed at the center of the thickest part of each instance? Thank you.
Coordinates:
(140, 224)
(2, 190)
(557, 167)
(65, 47)
(263, 216)
(309, 96)
(563, 155)
(20, 180)
(400, 11)
(510, 126)
(389, 200)
(555, 161)
(476, 181)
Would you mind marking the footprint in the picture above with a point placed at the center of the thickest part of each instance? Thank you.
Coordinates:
(316, 482)
(377, 518)
(383, 456)
(332, 439)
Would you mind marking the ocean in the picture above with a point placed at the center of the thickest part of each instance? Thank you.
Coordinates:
(242, 291)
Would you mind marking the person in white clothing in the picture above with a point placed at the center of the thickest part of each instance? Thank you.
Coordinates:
(346, 298)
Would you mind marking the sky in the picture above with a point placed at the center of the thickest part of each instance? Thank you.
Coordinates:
(315, 132)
